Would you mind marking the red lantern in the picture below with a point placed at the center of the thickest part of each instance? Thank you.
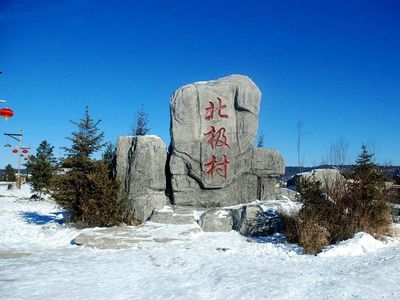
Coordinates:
(15, 151)
(26, 158)
(6, 113)
(25, 151)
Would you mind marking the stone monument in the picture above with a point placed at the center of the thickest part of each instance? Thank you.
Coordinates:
(213, 127)
(212, 161)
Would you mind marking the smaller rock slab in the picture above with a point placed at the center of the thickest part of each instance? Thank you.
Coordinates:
(216, 220)
(147, 234)
(173, 215)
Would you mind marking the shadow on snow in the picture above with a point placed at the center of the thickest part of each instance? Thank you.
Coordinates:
(38, 219)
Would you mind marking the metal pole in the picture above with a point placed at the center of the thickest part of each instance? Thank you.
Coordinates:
(19, 159)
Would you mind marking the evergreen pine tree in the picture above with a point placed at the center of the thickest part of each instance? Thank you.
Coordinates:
(42, 167)
(366, 176)
(140, 126)
(109, 153)
(87, 139)
(10, 173)
(108, 156)
(86, 190)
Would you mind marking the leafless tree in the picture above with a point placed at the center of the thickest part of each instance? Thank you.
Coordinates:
(300, 135)
(338, 154)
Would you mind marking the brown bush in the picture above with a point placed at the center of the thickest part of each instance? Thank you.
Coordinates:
(360, 204)
(313, 235)
(91, 197)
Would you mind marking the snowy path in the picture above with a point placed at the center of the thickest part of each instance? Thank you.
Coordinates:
(37, 261)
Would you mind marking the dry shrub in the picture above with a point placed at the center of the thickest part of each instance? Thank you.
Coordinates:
(313, 235)
(91, 197)
(341, 210)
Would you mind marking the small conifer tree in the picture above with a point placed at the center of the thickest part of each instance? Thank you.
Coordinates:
(260, 141)
(42, 167)
(86, 190)
(87, 140)
(140, 126)
(108, 156)
(10, 173)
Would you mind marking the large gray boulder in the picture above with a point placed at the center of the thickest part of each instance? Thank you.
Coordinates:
(213, 126)
(140, 167)
(327, 177)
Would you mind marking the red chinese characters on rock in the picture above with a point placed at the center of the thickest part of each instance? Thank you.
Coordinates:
(210, 110)
(217, 138)
(220, 167)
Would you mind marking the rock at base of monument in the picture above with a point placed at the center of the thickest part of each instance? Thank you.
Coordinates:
(143, 205)
(249, 220)
(252, 220)
(173, 215)
(288, 193)
(188, 192)
(216, 220)
(267, 163)
(267, 189)
(145, 235)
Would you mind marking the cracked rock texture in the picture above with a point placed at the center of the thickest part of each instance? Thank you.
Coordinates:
(213, 127)
(140, 167)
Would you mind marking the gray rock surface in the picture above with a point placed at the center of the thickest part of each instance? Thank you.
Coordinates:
(251, 220)
(144, 235)
(327, 177)
(188, 192)
(288, 193)
(173, 215)
(267, 163)
(216, 220)
(267, 189)
(213, 126)
(140, 167)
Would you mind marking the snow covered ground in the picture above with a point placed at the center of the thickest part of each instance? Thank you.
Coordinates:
(38, 261)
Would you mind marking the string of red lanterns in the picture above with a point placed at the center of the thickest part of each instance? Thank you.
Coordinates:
(24, 151)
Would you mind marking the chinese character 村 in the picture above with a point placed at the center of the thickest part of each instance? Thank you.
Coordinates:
(220, 167)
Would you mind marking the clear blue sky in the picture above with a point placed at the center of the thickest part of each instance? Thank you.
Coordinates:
(333, 64)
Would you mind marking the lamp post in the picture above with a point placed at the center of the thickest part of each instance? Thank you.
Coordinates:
(18, 137)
